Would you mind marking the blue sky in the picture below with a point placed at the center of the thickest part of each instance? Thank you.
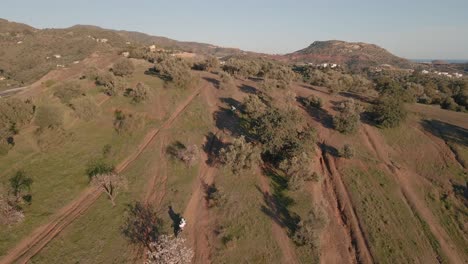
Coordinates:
(411, 29)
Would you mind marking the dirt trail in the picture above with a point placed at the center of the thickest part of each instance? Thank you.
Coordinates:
(33, 243)
(410, 184)
(197, 215)
(196, 212)
(347, 213)
(336, 245)
(156, 186)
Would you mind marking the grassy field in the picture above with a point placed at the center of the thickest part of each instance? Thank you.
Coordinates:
(445, 174)
(57, 165)
(96, 237)
(245, 230)
(395, 235)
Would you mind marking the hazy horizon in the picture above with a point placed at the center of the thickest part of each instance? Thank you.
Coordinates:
(409, 30)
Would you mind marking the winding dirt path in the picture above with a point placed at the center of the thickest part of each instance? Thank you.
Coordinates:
(410, 183)
(32, 244)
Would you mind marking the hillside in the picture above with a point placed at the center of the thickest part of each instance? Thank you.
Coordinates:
(37, 48)
(354, 55)
(151, 160)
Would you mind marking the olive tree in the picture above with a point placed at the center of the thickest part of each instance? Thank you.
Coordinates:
(240, 155)
(123, 67)
(348, 118)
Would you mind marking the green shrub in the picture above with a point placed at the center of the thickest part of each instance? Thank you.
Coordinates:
(313, 101)
(85, 108)
(125, 122)
(347, 151)
(14, 113)
(139, 94)
(175, 71)
(98, 167)
(49, 116)
(226, 81)
(298, 170)
(68, 91)
(388, 112)
(123, 67)
(348, 118)
(449, 104)
(239, 155)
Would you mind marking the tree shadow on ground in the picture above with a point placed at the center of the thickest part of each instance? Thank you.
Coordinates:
(213, 81)
(227, 119)
(212, 146)
(176, 219)
(277, 203)
(356, 96)
(461, 191)
(314, 89)
(447, 132)
(318, 114)
(248, 89)
(329, 149)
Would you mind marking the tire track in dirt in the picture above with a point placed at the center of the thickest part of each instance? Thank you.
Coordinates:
(408, 182)
(340, 206)
(156, 188)
(336, 245)
(196, 211)
(33, 244)
(347, 213)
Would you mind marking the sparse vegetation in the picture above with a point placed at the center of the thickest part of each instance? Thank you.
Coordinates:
(310, 228)
(347, 151)
(298, 170)
(49, 117)
(139, 94)
(175, 71)
(388, 112)
(123, 67)
(68, 91)
(239, 155)
(347, 121)
(142, 227)
(85, 108)
(169, 249)
(109, 182)
(226, 81)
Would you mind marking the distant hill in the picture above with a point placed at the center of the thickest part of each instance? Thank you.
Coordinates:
(355, 55)
(27, 53)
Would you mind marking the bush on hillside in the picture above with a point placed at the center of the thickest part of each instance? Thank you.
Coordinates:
(14, 113)
(49, 116)
(348, 118)
(298, 170)
(68, 91)
(139, 94)
(126, 123)
(313, 101)
(123, 67)
(85, 108)
(239, 155)
(175, 71)
(388, 112)
(309, 229)
(226, 81)
(347, 151)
